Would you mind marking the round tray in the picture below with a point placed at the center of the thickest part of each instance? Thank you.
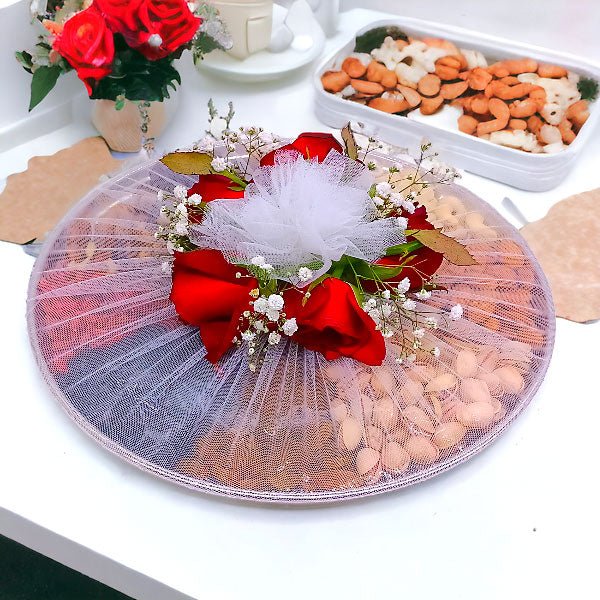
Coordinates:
(301, 429)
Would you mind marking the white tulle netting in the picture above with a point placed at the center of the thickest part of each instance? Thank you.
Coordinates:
(299, 213)
(131, 374)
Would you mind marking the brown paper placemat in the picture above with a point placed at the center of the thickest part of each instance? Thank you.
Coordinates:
(36, 199)
(567, 244)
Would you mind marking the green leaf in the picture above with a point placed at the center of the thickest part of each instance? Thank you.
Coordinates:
(188, 163)
(24, 59)
(43, 80)
(350, 142)
(452, 250)
(588, 88)
(374, 37)
(358, 293)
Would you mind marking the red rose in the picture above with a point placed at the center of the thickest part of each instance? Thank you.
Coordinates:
(332, 323)
(155, 28)
(215, 187)
(87, 45)
(309, 145)
(120, 15)
(207, 294)
(425, 261)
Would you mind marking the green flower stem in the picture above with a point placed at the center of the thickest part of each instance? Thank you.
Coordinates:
(406, 248)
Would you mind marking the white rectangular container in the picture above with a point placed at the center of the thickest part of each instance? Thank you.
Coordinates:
(534, 172)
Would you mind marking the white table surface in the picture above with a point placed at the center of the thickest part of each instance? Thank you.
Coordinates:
(518, 521)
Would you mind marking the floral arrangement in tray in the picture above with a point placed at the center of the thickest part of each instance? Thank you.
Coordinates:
(310, 240)
(121, 50)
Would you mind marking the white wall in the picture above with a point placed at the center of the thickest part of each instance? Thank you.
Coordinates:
(16, 124)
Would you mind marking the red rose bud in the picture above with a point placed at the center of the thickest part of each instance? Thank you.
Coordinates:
(206, 293)
(87, 45)
(331, 322)
(309, 145)
(215, 187)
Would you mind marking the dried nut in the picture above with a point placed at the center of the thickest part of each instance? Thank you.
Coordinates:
(362, 379)
(376, 71)
(446, 73)
(335, 372)
(474, 390)
(421, 449)
(488, 359)
(419, 417)
(446, 381)
(478, 79)
(412, 96)
(475, 414)
(518, 124)
(466, 364)
(384, 413)
(449, 91)
(467, 124)
(335, 81)
(510, 379)
(338, 411)
(383, 381)
(474, 220)
(551, 71)
(394, 457)
(429, 85)
(367, 460)
(350, 433)
(412, 391)
(366, 87)
(431, 105)
(389, 79)
(492, 381)
(389, 105)
(374, 437)
(354, 67)
(448, 434)
(496, 405)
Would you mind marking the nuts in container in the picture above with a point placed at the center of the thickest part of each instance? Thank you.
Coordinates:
(520, 103)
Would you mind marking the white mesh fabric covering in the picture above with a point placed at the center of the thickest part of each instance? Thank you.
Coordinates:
(112, 349)
(300, 211)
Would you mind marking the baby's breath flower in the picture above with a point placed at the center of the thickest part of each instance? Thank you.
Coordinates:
(261, 305)
(274, 338)
(290, 327)
(258, 261)
(404, 285)
(276, 301)
(456, 312)
(272, 315)
(423, 294)
(385, 294)
(304, 273)
(218, 164)
(180, 192)
(195, 199)
(419, 333)
(409, 305)
(248, 335)
(436, 352)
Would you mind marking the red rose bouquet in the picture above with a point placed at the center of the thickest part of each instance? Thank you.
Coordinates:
(309, 240)
(120, 50)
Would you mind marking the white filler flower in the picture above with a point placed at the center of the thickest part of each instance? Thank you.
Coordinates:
(300, 212)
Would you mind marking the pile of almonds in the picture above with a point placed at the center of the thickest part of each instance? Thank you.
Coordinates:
(518, 103)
